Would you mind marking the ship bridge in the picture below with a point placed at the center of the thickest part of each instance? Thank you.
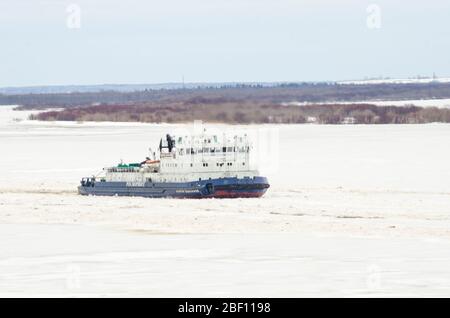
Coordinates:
(205, 153)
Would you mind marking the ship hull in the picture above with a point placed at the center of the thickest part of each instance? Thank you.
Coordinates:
(214, 188)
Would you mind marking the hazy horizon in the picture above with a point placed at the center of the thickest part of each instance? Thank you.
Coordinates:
(193, 84)
(113, 42)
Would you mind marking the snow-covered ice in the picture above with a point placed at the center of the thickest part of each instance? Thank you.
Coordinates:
(350, 207)
(439, 103)
(398, 81)
(76, 261)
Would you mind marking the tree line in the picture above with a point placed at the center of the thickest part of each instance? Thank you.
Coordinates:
(247, 113)
(303, 92)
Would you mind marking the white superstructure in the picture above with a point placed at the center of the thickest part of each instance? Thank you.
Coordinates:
(184, 158)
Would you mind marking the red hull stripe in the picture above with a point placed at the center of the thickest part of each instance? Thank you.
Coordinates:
(233, 194)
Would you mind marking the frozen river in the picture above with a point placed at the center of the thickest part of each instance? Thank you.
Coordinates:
(352, 211)
(68, 260)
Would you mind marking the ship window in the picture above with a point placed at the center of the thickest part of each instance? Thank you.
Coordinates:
(213, 149)
(243, 163)
(199, 179)
(191, 164)
(224, 149)
(230, 149)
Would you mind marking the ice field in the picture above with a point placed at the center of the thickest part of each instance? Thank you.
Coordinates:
(353, 210)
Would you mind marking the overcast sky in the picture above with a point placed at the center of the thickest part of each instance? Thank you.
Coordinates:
(148, 41)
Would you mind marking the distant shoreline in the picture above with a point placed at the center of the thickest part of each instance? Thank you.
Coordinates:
(236, 113)
(123, 87)
(254, 93)
(321, 103)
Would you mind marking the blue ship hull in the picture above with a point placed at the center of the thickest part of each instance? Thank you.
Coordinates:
(214, 188)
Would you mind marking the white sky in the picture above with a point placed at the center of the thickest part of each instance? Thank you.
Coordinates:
(152, 41)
